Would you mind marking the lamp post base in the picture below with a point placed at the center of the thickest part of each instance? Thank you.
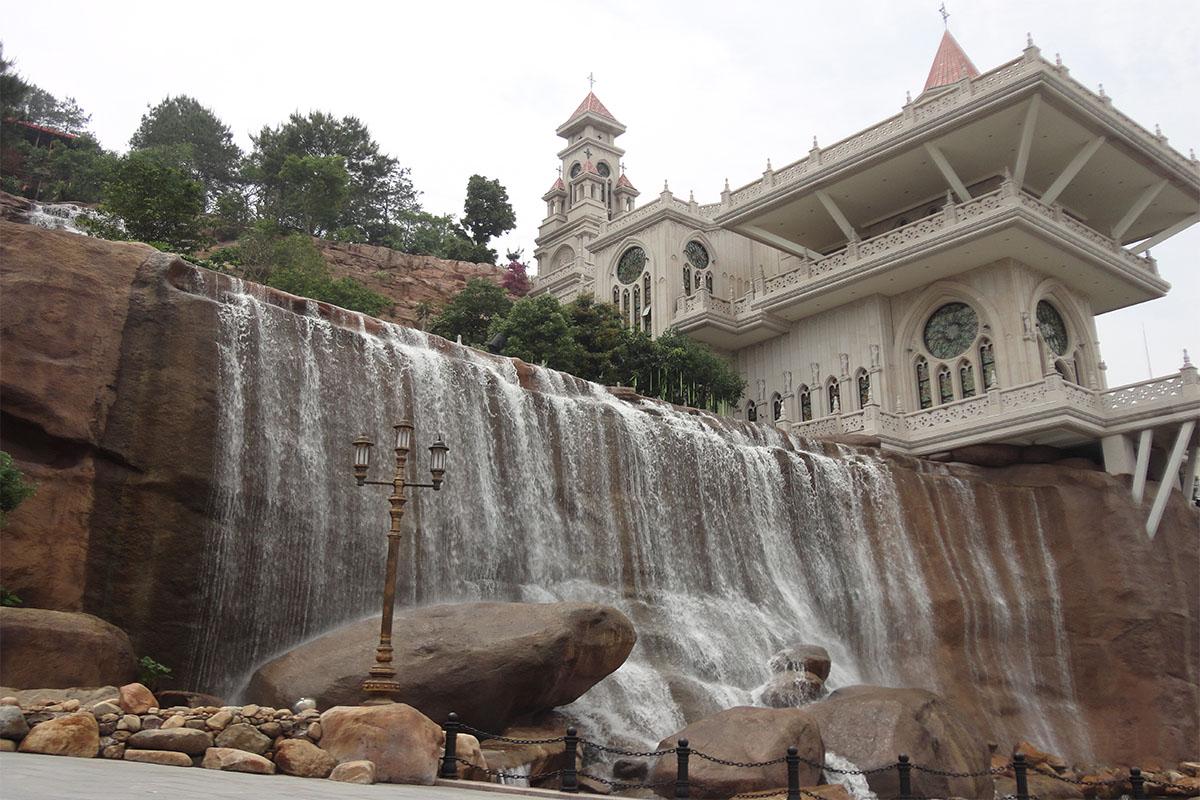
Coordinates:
(380, 692)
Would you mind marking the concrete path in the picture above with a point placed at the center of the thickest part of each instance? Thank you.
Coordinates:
(32, 777)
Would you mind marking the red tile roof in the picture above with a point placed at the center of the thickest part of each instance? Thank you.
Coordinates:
(949, 64)
(558, 186)
(623, 181)
(592, 103)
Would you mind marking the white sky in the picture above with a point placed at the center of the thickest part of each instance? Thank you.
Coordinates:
(708, 90)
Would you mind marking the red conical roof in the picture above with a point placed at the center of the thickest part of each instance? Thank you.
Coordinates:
(949, 64)
(558, 185)
(592, 103)
(623, 181)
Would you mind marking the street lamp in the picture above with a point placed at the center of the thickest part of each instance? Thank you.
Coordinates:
(380, 686)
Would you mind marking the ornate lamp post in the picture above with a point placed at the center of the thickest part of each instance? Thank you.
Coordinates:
(380, 686)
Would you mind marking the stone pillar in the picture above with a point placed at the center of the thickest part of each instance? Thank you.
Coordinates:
(1120, 457)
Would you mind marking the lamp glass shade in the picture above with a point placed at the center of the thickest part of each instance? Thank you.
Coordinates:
(437, 456)
(404, 432)
(362, 452)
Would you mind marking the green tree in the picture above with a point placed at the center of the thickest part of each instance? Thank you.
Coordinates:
(487, 212)
(200, 142)
(690, 373)
(471, 312)
(378, 192)
(313, 193)
(158, 202)
(13, 488)
(597, 329)
(42, 108)
(536, 331)
(13, 88)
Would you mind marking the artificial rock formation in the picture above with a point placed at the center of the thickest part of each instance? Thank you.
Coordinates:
(872, 725)
(76, 735)
(744, 734)
(1028, 595)
(491, 663)
(60, 649)
(404, 744)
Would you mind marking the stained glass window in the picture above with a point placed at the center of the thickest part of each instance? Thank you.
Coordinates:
(951, 330)
(864, 389)
(697, 254)
(575, 170)
(924, 395)
(625, 306)
(805, 404)
(945, 385)
(687, 280)
(616, 296)
(637, 307)
(966, 378)
(987, 363)
(1053, 329)
(630, 267)
(708, 281)
(603, 169)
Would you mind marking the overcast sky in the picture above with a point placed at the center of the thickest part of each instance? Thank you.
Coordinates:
(708, 90)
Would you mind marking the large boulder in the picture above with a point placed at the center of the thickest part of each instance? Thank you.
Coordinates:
(744, 734)
(792, 689)
(179, 740)
(872, 725)
(59, 649)
(405, 745)
(489, 662)
(802, 658)
(73, 735)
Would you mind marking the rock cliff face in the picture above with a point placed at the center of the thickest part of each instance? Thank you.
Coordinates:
(1022, 593)
(406, 279)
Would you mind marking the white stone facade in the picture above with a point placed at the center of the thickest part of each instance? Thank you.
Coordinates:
(931, 281)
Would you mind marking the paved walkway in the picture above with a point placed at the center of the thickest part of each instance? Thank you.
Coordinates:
(32, 777)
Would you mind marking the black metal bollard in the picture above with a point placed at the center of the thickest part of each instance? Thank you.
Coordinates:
(450, 757)
(1019, 768)
(681, 764)
(1137, 783)
(904, 768)
(793, 765)
(569, 782)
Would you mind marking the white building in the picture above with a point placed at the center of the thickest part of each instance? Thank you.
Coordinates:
(931, 281)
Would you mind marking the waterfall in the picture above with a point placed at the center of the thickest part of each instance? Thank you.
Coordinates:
(722, 541)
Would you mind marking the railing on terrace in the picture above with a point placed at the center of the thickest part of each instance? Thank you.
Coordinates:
(653, 207)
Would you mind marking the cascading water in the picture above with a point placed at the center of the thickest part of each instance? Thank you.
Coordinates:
(723, 542)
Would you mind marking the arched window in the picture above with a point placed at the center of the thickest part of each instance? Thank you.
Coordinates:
(805, 404)
(631, 265)
(776, 406)
(687, 280)
(945, 385)
(924, 394)
(1053, 329)
(616, 297)
(646, 288)
(625, 306)
(863, 380)
(987, 364)
(637, 307)
(966, 377)
(751, 411)
(835, 397)
(708, 281)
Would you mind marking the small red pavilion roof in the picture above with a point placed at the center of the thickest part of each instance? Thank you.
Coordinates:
(949, 64)
(624, 182)
(592, 103)
(558, 185)
(588, 166)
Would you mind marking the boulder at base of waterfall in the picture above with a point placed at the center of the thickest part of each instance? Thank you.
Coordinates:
(802, 658)
(405, 745)
(748, 735)
(228, 759)
(135, 698)
(58, 649)
(361, 772)
(303, 759)
(492, 663)
(793, 689)
(73, 735)
(872, 725)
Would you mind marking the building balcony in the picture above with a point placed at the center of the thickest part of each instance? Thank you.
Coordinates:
(1051, 411)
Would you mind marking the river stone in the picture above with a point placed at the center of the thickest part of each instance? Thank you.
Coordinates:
(168, 758)
(73, 735)
(489, 662)
(362, 772)
(8, 746)
(802, 658)
(405, 745)
(228, 759)
(12, 723)
(136, 699)
(792, 689)
(243, 736)
(871, 725)
(303, 759)
(181, 740)
(743, 733)
(54, 649)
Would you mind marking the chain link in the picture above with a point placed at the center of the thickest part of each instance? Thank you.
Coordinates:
(631, 753)
(621, 786)
(951, 774)
(747, 764)
(498, 738)
(510, 775)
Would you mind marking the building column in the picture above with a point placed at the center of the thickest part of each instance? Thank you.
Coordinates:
(1170, 478)
(1120, 458)
(1145, 439)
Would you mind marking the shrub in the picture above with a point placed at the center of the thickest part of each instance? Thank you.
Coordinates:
(13, 488)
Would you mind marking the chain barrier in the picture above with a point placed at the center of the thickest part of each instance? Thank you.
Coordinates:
(747, 764)
(630, 753)
(950, 774)
(462, 726)
(779, 793)
(512, 776)
(619, 786)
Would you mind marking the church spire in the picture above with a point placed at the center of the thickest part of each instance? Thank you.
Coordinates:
(950, 64)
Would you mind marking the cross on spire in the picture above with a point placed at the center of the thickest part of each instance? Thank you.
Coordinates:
(559, 168)
(621, 164)
(591, 81)
(587, 151)
(945, 16)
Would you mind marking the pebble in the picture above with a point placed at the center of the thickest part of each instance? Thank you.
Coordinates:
(314, 731)
(9, 700)
(70, 705)
(174, 722)
(113, 751)
(121, 736)
(271, 729)
(151, 723)
(8, 746)
(250, 710)
(105, 707)
(130, 722)
(197, 724)
(218, 721)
